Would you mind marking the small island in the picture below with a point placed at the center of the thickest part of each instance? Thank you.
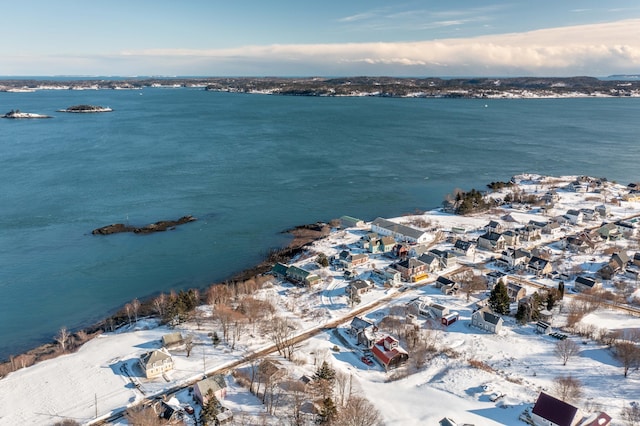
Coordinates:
(160, 226)
(19, 114)
(86, 109)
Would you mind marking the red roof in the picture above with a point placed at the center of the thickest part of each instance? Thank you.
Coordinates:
(384, 356)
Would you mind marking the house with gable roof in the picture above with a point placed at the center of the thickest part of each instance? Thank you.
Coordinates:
(357, 287)
(215, 383)
(364, 331)
(538, 266)
(493, 226)
(412, 270)
(586, 284)
(432, 262)
(491, 241)
(550, 411)
(388, 352)
(464, 248)
(486, 320)
(349, 260)
(446, 258)
(575, 217)
(399, 231)
(155, 363)
(515, 291)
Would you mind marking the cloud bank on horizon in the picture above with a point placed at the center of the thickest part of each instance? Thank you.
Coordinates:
(596, 49)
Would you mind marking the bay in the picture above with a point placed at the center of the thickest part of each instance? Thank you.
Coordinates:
(248, 167)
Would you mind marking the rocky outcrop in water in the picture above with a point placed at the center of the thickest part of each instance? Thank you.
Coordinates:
(160, 226)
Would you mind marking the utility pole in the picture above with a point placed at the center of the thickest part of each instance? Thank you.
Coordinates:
(95, 399)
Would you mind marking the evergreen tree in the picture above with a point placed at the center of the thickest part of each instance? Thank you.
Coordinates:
(551, 300)
(325, 377)
(561, 289)
(328, 411)
(524, 313)
(499, 299)
(210, 409)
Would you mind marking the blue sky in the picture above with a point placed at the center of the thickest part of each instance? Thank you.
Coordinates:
(287, 38)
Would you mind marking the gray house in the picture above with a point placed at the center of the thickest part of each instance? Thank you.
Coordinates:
(486, 320)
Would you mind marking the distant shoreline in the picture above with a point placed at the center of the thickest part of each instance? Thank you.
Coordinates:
(469, 88)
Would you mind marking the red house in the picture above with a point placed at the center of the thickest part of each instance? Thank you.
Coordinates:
(389, 353)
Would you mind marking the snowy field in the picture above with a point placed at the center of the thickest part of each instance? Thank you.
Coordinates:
(104, 376)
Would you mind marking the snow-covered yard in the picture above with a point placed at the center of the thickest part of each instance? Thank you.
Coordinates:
(517, 363)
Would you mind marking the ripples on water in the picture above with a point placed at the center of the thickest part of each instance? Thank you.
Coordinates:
(248, 166)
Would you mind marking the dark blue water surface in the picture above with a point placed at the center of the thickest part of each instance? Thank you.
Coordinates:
(248, 167)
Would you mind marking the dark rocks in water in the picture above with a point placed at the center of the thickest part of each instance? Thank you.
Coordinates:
(161, 226)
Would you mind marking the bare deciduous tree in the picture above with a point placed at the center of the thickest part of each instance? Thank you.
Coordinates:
(160, 304)
(344, 387)
(135, 307)
(188, 344)
(565, 349)
(631, 415)
(359, 412)
(628, 353)
(63, 338)
(282, 332)
(567, 388)
(128, 308)
(143, 416)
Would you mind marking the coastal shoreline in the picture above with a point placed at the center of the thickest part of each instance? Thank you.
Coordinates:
(302, 236)
(430, 87)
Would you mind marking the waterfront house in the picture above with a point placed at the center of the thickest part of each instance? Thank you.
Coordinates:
(487, 320)
(216, 384)
(399, 231)
(172, 340)
(351, 222)
(550, 411)
(155, 363)
(300, 276)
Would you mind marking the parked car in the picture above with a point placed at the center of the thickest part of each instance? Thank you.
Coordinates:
(366, 360)
(189, 409)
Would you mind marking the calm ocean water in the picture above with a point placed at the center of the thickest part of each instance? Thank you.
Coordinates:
(248, 166)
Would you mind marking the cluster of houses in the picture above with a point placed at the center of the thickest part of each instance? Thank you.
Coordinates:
(157, 362)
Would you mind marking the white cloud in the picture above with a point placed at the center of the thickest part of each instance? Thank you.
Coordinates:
(597, 49)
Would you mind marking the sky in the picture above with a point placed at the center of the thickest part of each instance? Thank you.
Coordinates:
(328, 38)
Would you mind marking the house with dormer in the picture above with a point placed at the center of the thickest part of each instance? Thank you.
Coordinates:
(516, 292)
(514, 258)
(155, 363)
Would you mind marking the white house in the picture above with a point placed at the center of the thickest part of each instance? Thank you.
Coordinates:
(486, 320)
(399, 231)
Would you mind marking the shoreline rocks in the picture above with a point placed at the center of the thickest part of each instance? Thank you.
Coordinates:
(160, 226)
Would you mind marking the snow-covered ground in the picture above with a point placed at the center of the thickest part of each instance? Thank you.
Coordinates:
(104, 376)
